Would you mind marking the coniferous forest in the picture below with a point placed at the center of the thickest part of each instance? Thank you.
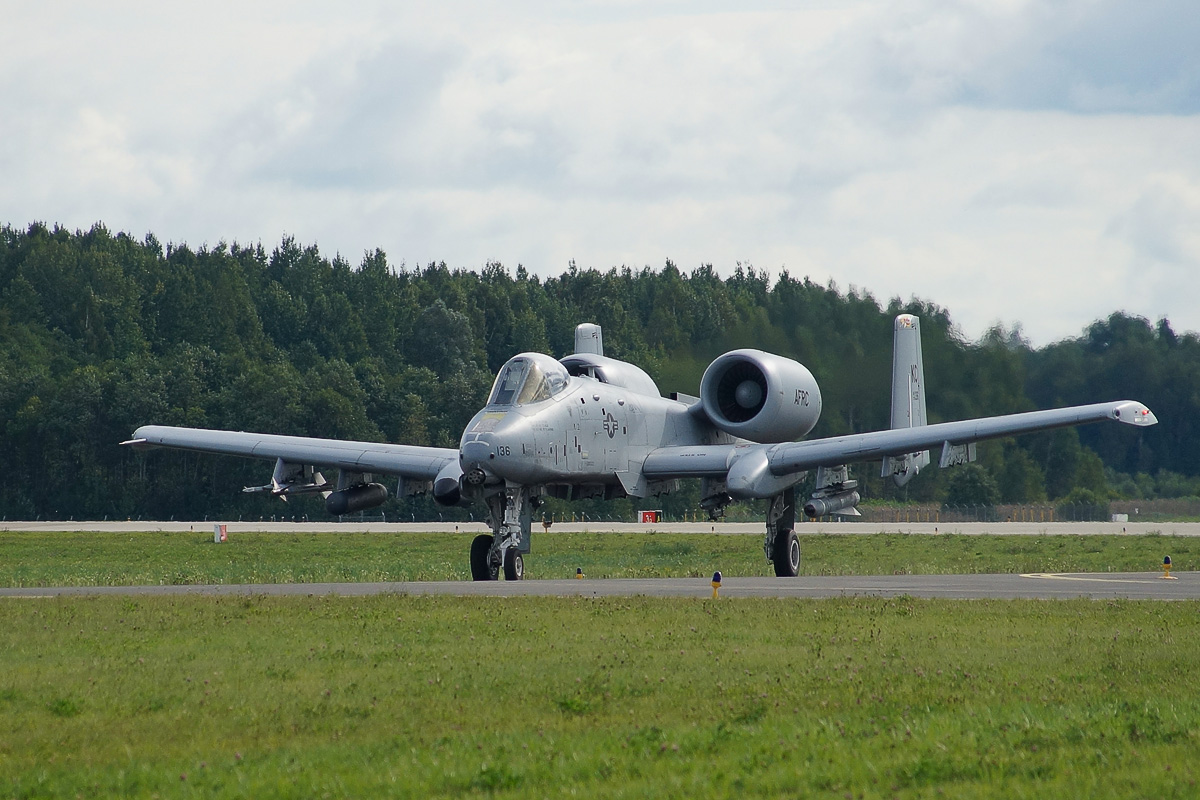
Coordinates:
(102, 332)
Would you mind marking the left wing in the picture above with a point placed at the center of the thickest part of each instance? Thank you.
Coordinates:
(762, 470)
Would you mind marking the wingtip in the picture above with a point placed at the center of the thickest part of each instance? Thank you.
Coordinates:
(1132, 412)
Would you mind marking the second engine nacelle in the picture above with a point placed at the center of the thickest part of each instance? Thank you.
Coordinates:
(760, 396)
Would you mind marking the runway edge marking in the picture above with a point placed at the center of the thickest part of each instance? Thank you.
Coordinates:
(1062, 576)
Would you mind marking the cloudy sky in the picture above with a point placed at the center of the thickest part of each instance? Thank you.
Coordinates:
(1015, 162)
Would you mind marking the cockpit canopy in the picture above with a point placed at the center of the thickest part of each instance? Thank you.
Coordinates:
(528, 378)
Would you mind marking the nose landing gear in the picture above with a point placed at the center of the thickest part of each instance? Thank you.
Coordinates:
(481, 567)
(514, 565)
(511, 513)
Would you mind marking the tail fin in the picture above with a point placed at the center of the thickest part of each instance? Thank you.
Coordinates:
(588, 339)
(908, 395)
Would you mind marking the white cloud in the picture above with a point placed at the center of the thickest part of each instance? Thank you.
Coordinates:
(1012, 161)
(1160, 234)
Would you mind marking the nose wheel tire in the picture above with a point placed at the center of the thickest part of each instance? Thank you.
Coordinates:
(481, 569)
(787, 555)
(514, 565)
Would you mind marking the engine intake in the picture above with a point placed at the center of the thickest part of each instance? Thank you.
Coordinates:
(760, 396)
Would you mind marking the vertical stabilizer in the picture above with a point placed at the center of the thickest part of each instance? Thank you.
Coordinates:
(908, 395)
(588, 339)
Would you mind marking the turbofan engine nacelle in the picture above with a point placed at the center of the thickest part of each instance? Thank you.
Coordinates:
(760, 396)
(447, 486)
(356, 498)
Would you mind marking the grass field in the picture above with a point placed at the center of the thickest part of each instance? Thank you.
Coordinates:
(642, 697)
(89, 558)
(526, 697)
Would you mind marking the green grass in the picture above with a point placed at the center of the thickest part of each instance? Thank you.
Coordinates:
(74, 559)
(436, 696)
(528, 697)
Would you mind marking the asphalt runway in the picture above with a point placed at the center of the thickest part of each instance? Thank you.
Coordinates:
(1043, 586)
(1098, 586)
(1034, 528)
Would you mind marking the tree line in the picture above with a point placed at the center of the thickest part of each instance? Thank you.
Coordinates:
(103, 332)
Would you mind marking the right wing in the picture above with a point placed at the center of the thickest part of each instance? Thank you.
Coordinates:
(407, 461)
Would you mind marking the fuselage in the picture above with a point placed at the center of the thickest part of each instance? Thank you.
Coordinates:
(583, 431)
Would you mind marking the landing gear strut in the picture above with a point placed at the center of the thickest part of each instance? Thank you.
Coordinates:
(511, 513)
(781, 545)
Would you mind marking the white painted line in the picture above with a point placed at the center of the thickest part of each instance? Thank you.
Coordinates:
(1063, 577)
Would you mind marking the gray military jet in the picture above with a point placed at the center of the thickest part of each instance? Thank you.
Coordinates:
(592, 426)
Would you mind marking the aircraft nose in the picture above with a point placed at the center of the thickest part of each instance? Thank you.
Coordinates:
(501, 452)
(477, 457)
(496, 452)
(476, 453)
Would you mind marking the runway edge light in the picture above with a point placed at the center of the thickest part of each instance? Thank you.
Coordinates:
(1167, 570)
(716, 583)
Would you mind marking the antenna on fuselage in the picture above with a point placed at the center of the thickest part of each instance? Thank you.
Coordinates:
(588, 339)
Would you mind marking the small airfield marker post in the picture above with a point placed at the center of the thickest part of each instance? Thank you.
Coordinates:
(1167, 576)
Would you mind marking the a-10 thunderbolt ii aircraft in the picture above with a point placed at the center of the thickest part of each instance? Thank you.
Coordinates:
(592, 426)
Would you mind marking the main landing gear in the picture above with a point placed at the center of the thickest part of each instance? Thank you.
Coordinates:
(511, 513)
(781, 545)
